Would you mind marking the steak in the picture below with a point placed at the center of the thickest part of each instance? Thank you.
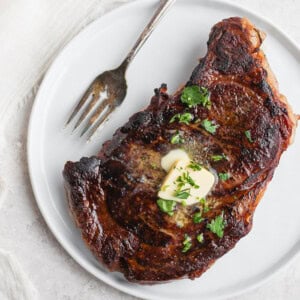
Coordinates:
(113, 196)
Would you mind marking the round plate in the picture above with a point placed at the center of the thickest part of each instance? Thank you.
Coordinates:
(169, 56)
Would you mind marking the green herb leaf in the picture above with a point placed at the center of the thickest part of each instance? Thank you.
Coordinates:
(204, 204)
(224, 176)
(200, 238)
(194, 95)
(174, 118)
(248, 136)
(194, 166)
(202, 201)
(167, 206)
(185, 178)
(177, 139)
(197, 218)
(218, 157)
(206, 208)
(217, 225)
(190, 180)
(185, 118)
(209, 126)
(182, 194)
(183, 203)
(187, 243)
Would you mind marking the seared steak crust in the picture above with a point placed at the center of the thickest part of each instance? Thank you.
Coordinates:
(112, 196)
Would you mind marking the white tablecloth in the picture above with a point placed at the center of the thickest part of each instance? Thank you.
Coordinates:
(32, 264)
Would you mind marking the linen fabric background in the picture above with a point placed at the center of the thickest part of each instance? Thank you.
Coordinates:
(32, 263)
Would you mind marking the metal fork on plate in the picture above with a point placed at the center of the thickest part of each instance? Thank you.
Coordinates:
(112, 83)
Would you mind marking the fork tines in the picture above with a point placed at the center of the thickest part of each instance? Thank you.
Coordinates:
(95, 105)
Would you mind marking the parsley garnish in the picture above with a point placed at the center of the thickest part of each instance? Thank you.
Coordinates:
(217, 225)
(218, 157)
(187, 244)
(224, 176)
(174, 118)
(182, 194)
(248, 136)
(167, 206)
(194, 166)
(197, 218)
(181, 181)
(193, 95)
(200, 238)
(185, 118)
(183, 203)
(204, 204)
(209, 126)
(185, 178)
(177, 139)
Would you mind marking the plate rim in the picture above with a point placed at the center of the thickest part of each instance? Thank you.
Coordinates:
(285, 262)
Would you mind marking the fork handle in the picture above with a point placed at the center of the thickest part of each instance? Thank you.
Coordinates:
(160, 12)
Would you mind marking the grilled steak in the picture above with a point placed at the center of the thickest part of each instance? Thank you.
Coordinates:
(113, 196)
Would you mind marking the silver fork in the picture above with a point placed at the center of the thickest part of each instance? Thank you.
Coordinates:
(113, 82)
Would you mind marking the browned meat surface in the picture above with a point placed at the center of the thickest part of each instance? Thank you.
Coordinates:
(113, 196)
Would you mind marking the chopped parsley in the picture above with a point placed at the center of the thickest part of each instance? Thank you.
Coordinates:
(200, 238)
(177, 139)
(197, 218)
(174, 118)
(209, 126)
(187, 243)
(224, 176)
(185, 178)
(204, 204)
(217, 225)
(194, 166)
(248, 136)
(182, 181)
(182, 194)
(167, 206)
(183, 203)
(194, 95)
(218, 157)
(185, 118)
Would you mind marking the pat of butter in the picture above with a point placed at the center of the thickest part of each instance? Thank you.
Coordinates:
(172, 157)
(203, 182)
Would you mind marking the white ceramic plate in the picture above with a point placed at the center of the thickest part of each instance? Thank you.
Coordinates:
(169, 56)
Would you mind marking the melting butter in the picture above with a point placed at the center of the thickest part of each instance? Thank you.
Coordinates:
(172, 157)
(183, 183)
